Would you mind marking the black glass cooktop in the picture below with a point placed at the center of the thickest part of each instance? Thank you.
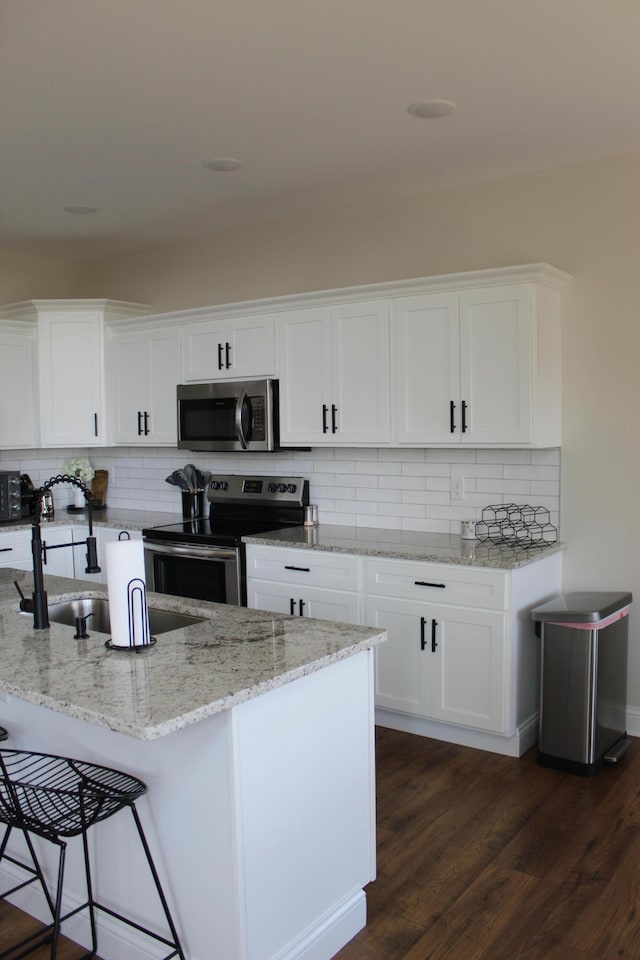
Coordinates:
(203, 530)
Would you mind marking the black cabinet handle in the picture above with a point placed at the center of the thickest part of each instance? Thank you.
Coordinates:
(334, 411)
(301, 569)
(292, 606)
(425, 583)
(464, 416)
(302, 606)
(146, 424)
(219, 356)
(6, 549)
(95, 424)
(227, 355)
(139, 422)
(325, 410)
(452, 417)
(434, 642)
(423, 641)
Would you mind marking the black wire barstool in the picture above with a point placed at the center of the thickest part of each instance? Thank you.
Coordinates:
(57, 797)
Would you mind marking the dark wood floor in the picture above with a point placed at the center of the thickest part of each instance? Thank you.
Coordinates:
(482, 857)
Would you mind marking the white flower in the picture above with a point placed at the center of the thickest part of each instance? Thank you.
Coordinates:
(80, 468)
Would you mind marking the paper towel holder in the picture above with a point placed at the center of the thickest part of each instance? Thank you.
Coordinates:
(136, 595)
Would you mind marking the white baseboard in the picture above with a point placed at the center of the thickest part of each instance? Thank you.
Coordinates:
(331, 933)
(522, 740)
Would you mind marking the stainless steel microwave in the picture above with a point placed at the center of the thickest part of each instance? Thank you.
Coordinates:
(228, 415)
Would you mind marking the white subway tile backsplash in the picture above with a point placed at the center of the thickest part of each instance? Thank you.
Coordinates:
(387, 488)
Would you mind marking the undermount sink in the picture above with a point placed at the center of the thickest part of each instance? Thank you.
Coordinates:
(160, 621)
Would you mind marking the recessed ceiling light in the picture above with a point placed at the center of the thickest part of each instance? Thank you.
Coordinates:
(430, 109)
(222, 164)
(81, 208)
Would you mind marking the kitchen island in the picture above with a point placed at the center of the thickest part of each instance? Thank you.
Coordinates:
(254, 733)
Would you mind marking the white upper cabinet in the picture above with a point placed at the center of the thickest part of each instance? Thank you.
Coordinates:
(334, 375)
(479, 366)
(18, 422)
(70, 341)
(237, 348)
(144, 369)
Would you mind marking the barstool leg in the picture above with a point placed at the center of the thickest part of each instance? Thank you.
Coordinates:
(90, 900)
(56, 919)
(156, 880)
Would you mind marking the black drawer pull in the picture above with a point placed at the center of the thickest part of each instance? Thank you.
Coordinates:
(423, 641)
(6, 549)
(301, 569)
(425, 583)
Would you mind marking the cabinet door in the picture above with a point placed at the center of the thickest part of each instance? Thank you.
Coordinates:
(17, 397)
(15, 550)
(230, 348)
(468, 666)
(496, 363)
(306, 602)
(145, 369)
(402, 678)
(360, 399)
(71, 384)
(59, 563)
(426, 352)
(304, 361)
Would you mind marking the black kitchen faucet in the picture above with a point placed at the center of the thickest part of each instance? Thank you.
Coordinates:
(38, 549)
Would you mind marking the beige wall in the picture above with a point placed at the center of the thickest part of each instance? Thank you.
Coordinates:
(25, 277)
(583, 219)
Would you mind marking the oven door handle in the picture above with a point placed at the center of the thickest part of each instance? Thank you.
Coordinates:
(239, 430)
(191, 550)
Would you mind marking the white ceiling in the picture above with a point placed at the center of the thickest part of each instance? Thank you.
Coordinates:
(117, 103)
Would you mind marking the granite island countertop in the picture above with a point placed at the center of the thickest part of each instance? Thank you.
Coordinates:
(188, 675)
(405, 545)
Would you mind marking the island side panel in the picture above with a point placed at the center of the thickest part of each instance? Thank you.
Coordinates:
(188, 818)
(305, 787)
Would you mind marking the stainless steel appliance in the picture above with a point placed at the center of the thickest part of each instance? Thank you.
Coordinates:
(228, 415)
(204, 558)
(583, 699)
(10, 495)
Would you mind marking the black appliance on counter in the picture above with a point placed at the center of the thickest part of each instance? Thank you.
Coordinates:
(204, 558)
(16, 496)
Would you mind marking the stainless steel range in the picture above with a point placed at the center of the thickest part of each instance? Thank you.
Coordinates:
(204, 558)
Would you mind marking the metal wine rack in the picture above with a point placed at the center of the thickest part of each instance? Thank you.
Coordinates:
(519, 525)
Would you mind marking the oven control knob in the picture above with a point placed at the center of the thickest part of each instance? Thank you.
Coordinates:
(224, 485)
(214, 484)
(273, 487)
(291, 488)
(282, 488)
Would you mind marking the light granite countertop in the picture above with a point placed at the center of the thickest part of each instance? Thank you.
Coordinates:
(188, 675)
(405, 545)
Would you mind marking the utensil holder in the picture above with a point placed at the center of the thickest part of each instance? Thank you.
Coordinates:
(192, 504)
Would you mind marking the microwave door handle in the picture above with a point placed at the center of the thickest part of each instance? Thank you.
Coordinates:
(239, 430)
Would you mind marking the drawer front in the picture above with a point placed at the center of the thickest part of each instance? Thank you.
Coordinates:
(15, 548)
(437, 583)
(312, 568)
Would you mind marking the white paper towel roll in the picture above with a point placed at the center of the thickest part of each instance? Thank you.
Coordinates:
(127, 588)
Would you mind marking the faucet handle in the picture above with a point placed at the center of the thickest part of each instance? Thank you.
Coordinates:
(25, 604)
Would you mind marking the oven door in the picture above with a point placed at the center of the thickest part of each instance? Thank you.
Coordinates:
(196, 571)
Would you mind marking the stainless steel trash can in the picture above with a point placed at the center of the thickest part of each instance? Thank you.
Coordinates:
(583, 695)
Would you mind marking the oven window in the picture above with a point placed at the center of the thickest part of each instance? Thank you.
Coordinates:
(190, 577)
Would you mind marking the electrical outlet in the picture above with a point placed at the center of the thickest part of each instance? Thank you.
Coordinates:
(457, 488)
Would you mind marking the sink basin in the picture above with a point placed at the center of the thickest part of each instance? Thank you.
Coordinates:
(160, 621)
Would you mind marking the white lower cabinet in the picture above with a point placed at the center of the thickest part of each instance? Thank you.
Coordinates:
(461, 662)
(15, 549)
(303, 583)
(444, 663)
